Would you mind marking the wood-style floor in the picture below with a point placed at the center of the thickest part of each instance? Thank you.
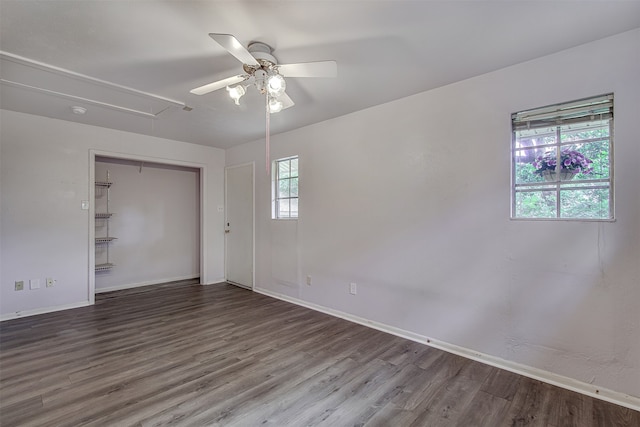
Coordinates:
(190, 355)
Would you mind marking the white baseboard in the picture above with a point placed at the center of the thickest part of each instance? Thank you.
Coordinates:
(43, 310)
(216, 281)
(26, 313)
(615, 397)
(146, 283)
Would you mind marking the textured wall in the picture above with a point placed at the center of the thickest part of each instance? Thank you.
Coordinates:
(411, 200)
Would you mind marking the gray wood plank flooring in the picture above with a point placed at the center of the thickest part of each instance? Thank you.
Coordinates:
(189, 355)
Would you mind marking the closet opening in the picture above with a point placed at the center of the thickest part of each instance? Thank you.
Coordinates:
(146, 220)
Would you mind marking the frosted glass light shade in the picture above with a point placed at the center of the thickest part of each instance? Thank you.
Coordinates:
(236, 93)
(276, 85)
(275, 106)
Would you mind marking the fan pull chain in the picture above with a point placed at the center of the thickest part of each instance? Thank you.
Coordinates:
(268, 151)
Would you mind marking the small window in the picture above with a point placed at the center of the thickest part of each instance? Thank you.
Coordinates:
(285, 188)
(580, 184)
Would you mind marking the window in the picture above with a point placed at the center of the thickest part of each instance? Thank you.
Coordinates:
(285, 188)
(580, 185)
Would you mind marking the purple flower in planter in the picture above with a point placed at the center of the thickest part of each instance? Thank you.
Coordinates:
(570, 160)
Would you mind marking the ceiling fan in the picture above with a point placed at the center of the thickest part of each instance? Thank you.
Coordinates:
(261, 69)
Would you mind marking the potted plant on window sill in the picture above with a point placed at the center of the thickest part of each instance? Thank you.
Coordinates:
(571, 163)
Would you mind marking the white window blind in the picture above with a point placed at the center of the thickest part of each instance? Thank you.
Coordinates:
(585, 110)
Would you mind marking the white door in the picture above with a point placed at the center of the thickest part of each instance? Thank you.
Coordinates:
(239, 225)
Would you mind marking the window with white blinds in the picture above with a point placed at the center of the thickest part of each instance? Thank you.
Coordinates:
(562, 161)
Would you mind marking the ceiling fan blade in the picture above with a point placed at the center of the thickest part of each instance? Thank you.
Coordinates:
(203, 90)
(286, 101)
(235, 48)
(309, 69)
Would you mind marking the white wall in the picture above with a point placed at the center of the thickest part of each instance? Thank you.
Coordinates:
(411, 201)
(45, 174)
(156, 221)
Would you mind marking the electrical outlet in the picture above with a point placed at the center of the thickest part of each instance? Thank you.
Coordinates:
(353, 288)
(19, 285)
(34, 284)
(50, 282)
(309, 280)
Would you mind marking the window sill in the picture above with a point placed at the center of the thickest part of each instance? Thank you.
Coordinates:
(565, 219)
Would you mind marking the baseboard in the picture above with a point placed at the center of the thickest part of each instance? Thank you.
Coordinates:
(146, 283)
(215, 281)
(44, 310)
(611, 396)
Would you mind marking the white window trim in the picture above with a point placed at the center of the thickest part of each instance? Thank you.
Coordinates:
(557, 114)
(274, 190)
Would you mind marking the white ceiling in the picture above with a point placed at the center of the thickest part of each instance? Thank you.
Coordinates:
(385, 50)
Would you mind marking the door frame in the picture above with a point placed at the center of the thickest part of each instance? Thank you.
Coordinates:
(92, 227)
(253, 221)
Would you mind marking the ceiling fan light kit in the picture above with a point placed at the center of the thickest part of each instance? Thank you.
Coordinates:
(275, 106)
(263, 72)
(236, 93)
(276, 85)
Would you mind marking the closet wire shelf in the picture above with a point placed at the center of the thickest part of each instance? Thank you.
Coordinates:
(105, 239)
(105, 215)
(104, 267)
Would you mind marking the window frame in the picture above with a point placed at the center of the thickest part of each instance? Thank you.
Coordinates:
(275, 197)
(556, 116)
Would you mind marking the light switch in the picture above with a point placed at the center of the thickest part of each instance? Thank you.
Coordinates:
(34, 284)
(84, 205)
